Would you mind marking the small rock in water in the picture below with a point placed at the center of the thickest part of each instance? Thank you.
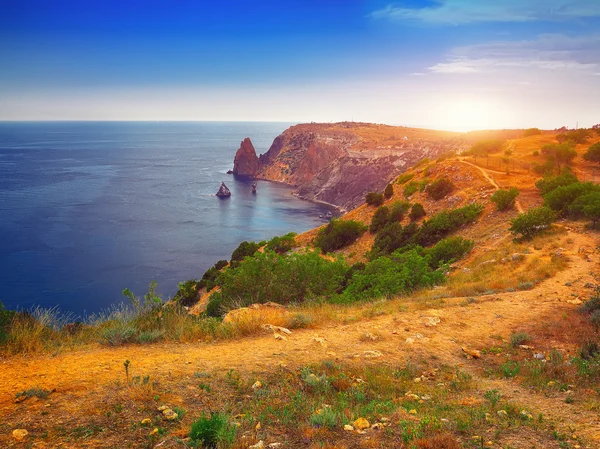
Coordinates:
(223, 192)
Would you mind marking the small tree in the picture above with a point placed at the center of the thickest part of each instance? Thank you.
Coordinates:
(505, 199)
(417, 211)
(439, 188)
(339, 233)
(593, 153)
(531, 132)
(532, 221)
(374, 199)
(589, 206)
(560, 153)
(389, 191)
(380, 219)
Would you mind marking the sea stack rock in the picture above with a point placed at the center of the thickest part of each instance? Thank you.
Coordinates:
(245, 163)
(223, 192)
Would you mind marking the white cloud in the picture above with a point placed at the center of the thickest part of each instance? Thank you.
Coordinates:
(458, 12)
(548, 52)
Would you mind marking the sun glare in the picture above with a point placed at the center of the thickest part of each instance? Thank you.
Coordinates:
(468, 114)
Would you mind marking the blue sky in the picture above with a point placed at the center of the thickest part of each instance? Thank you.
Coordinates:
(451, 64)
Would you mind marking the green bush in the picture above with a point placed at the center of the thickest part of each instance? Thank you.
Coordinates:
(449, 250)
(593, 153)
(339, 233)
(404, 178)
(392, 237)
(532, 221)
(484, 148)
(588, 206)
(388, 276)
(505, 199)
(389, 191)
(187, 294)
(519, 338)
(417, 211)
(531, 132)
(374, 199)
(559, 153)
(214, 308)
(398, 209)
(282, 244)
(445, 222)
(550, 183)
(244, 249)
(410, 189)
(213, 432)
(6, 317)
(284, 279)
(575, 136)
(562, 198)
(380, 219)
(439, 188)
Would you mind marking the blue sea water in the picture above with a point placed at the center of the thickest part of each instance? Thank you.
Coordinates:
(90, 208)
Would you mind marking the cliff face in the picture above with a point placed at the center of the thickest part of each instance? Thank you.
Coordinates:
(340, 163)
(245, 162)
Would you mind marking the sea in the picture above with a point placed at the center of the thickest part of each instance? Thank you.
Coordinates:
(88, 209)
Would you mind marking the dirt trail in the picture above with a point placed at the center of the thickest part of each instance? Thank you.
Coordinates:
(486, 174)
(402, 335)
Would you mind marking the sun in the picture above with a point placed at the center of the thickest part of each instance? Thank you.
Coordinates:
(471, 113)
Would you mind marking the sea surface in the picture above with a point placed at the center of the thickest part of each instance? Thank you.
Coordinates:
(90, 208)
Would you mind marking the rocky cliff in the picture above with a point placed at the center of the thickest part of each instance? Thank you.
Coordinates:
(340, 163)
(245, 162)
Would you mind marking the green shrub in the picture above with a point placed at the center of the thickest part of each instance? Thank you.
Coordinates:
(392, 237)
(150, 336)
(339, 233)
(575, 136)
(410, 189)
(398, 209)
(505, 199)
(282, 244)
(439, 188)
(187, 295)
(449, 250)
(283, 279)
(6, 316)
(214, 308)
(325, 417)
(532, 221)
(519, 338)
(587, 205)
(545, 169)
(531, 132)
(380, 219)
(417, 211)
(389, 191)
(118, 334)
(535, 153)
(593, 153)
(549, 183)
(595, 319)
(591, 305)
(388, 276)
(560, 153)
(374, 199)
(561, 198)
(213, 432)
(245, 249)
(445, 222)
(404, 178)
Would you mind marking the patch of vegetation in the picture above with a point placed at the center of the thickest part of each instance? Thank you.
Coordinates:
(282, 244)
(449, 250)
(550, 183)
(244, 249)
(562, 198)
(505, 199)
(339, 233)
(560, 154)
(33, 392)
(380, 218)
(214, 431)
(445, 222)
(574, 136)
(532, 222)
(439, 188)
(593, 153)
(6, 317)
(397, 210)
(417, 211)
(268, 276)
(374, 199)
(519, 338)
(531, 132)
(404, 178)
(389, 191)
(410, 189)
(484, 148)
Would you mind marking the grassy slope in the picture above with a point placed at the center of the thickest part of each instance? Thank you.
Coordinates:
(92, 404)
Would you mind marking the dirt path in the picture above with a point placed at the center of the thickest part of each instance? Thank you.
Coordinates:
(492, 181)
(402, 335)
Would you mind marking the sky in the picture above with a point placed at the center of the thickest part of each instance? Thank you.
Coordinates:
(444, 64)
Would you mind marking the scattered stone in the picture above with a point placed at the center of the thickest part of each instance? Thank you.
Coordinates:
(19, 434)
(525, 347)
(320, 340)
(281, 330)
(372, 354)
(257, 385)
(279, 337)
(257, 427)
(162, 408)
(349, 428)
(417, 379)
(331, 353)
(146, 421)
(259, 445)
(275, 444)
(371, 337)
(472, 353)
(539, 356)
(432, 321)
(170, 414)
(412, 411)
(377, 426)
(410, 340)
(526, 414)
(502, 413)
(383, 419)
(412, 396)
(361, 424)
(153, 432)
